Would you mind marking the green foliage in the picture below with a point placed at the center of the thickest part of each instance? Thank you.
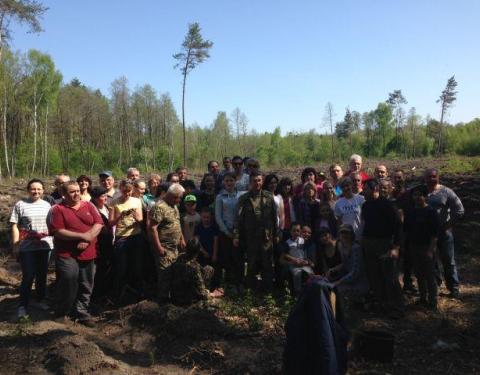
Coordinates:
(256, 310)
(383, 117)
(52, 127)
(465, 138)
(460, 165)
(22, 11)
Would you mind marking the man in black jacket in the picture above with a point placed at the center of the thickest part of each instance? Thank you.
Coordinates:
(381, 243)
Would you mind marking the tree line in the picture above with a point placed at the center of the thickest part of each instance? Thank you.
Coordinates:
(48, 126)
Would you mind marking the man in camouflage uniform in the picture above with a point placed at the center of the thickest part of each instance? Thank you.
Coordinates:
(255, 230)
(188, 278)
(166, 236)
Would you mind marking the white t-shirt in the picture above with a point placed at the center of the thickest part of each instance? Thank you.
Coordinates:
(348, 211)
(31, 218)
(188, 225)
(296, 248)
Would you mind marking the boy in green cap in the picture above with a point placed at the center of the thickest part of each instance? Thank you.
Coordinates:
(191, 217)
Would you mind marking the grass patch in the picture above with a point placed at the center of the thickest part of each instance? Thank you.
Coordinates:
(258, 311)
(462, 165)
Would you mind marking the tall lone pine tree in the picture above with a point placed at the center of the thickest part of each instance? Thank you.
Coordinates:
(195, 50)
(449, 95)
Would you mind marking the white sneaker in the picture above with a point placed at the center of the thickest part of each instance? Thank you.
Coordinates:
(42, 305)
(21, 312)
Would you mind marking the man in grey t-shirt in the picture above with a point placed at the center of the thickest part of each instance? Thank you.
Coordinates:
(450, 210)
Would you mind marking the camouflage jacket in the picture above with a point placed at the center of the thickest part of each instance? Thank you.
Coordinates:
(187, 281)
(256, 218)
(169, 228)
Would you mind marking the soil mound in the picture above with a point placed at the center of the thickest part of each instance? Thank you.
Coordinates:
(73, 355)
(195, 336)
(197, 321)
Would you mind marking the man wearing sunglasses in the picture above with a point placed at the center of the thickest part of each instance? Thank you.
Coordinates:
(242, 180)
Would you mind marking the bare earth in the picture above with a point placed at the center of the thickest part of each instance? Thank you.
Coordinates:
(237, 337)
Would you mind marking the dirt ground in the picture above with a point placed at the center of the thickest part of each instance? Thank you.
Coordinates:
(241, 336)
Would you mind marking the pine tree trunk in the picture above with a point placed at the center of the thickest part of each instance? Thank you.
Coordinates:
(414, 139)
(183, 119)
(439, 147)
(4, 130)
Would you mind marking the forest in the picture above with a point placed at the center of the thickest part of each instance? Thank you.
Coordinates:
(48, 126)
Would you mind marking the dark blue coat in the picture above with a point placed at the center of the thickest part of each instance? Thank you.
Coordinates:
(316, 341)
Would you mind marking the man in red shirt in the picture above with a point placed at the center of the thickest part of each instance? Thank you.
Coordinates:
(355, 165)
(75, 225)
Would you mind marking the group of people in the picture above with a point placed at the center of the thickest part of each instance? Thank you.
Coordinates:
(238, 229)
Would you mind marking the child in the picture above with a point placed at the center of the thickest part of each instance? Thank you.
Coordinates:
(206, 232)
(189, 187)
(296, 259)
(309, 245)
(191, 218)
(422, 226)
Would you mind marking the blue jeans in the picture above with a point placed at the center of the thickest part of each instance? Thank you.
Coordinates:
(446, 252)
(127, 263)
(34, 266)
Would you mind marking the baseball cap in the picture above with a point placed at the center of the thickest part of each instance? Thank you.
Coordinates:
(105, 173)
(190, 198)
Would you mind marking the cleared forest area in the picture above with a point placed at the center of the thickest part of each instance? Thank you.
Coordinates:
(244, 334)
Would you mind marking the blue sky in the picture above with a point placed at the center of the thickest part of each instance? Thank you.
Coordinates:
(279, 61)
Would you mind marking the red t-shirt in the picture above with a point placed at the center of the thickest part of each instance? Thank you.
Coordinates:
(78, 220)
(363, 175)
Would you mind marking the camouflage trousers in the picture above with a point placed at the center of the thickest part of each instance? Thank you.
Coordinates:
(189, 283)
(207, 274)
(162, 264)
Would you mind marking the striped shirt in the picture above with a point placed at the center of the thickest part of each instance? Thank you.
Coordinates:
(31, 218)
